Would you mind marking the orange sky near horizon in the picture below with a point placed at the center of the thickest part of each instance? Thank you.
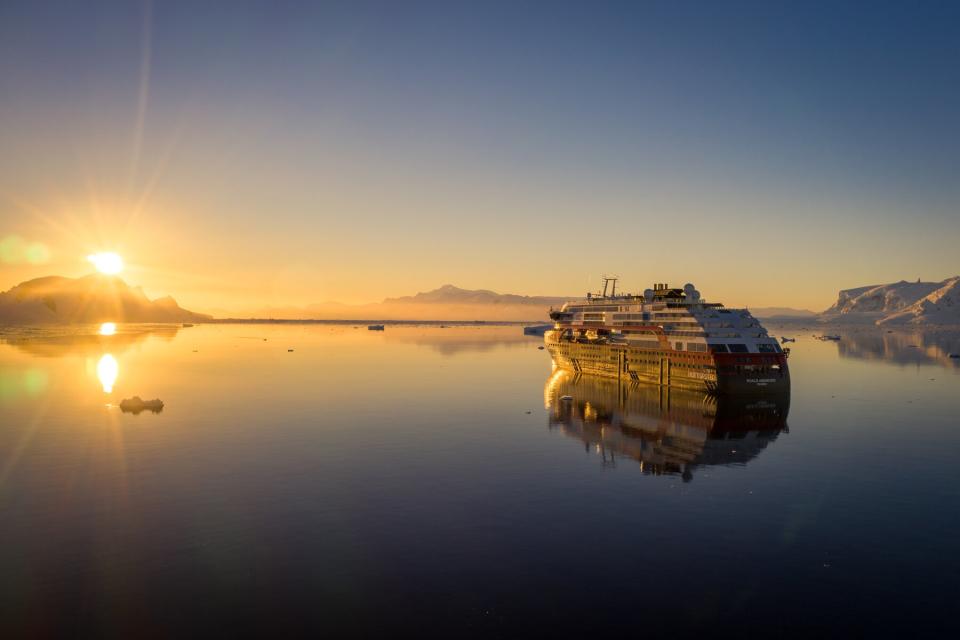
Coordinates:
(209, 269)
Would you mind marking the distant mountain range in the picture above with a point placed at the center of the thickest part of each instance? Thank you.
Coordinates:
(774, 313)
(899, 303)
(93, 298)
(444, 303)
(449, 294)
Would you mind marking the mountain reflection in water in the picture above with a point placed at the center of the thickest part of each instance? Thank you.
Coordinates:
(667, 431)
(901, 347)
(463, 339)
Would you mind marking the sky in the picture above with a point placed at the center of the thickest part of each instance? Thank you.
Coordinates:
(249, 154)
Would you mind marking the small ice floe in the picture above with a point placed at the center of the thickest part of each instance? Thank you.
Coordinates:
(289, 350)
(135, 405)
(375, 327)
(540, 347)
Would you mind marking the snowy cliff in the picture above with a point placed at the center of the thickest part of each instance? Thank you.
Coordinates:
(898, 303)
(939, 307)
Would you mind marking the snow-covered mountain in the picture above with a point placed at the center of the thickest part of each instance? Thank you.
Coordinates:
(898, 303)
(93, 298)
(939, 307)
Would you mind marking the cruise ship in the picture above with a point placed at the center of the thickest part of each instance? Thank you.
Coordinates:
(668, 337)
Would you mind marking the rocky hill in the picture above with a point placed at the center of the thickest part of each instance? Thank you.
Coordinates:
(93, 298)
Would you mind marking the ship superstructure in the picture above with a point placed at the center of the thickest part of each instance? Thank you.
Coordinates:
(667, 336)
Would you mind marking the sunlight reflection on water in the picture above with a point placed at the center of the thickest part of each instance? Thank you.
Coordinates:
(107, 372)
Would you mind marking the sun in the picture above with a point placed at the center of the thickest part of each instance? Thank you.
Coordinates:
(107, 262)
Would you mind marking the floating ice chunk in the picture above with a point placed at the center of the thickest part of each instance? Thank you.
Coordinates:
(136, 405)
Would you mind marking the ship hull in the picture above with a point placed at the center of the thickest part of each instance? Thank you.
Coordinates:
(722, 374)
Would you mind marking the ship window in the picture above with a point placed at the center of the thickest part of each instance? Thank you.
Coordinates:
(718, 348)
(696, 346)
(738, 348)
(766, 348)
(679, 346)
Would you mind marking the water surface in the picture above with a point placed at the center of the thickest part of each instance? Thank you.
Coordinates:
(448, 481)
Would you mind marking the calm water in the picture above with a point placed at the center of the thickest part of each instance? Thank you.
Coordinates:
(432, 480)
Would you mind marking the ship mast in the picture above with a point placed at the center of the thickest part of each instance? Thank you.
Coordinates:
(607, 281)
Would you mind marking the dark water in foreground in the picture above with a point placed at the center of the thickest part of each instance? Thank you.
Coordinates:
(432, 480)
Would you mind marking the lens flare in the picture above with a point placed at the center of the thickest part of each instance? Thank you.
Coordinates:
(16, 250)
(107, 371)
(37, 253)
(107, 262)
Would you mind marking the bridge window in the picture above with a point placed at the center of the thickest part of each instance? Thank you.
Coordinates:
(738, 348)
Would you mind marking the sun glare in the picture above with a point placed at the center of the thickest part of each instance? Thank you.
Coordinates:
(108, 328)
(107, 262)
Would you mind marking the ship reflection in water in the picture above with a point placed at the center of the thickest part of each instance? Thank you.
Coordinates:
(668, 431)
